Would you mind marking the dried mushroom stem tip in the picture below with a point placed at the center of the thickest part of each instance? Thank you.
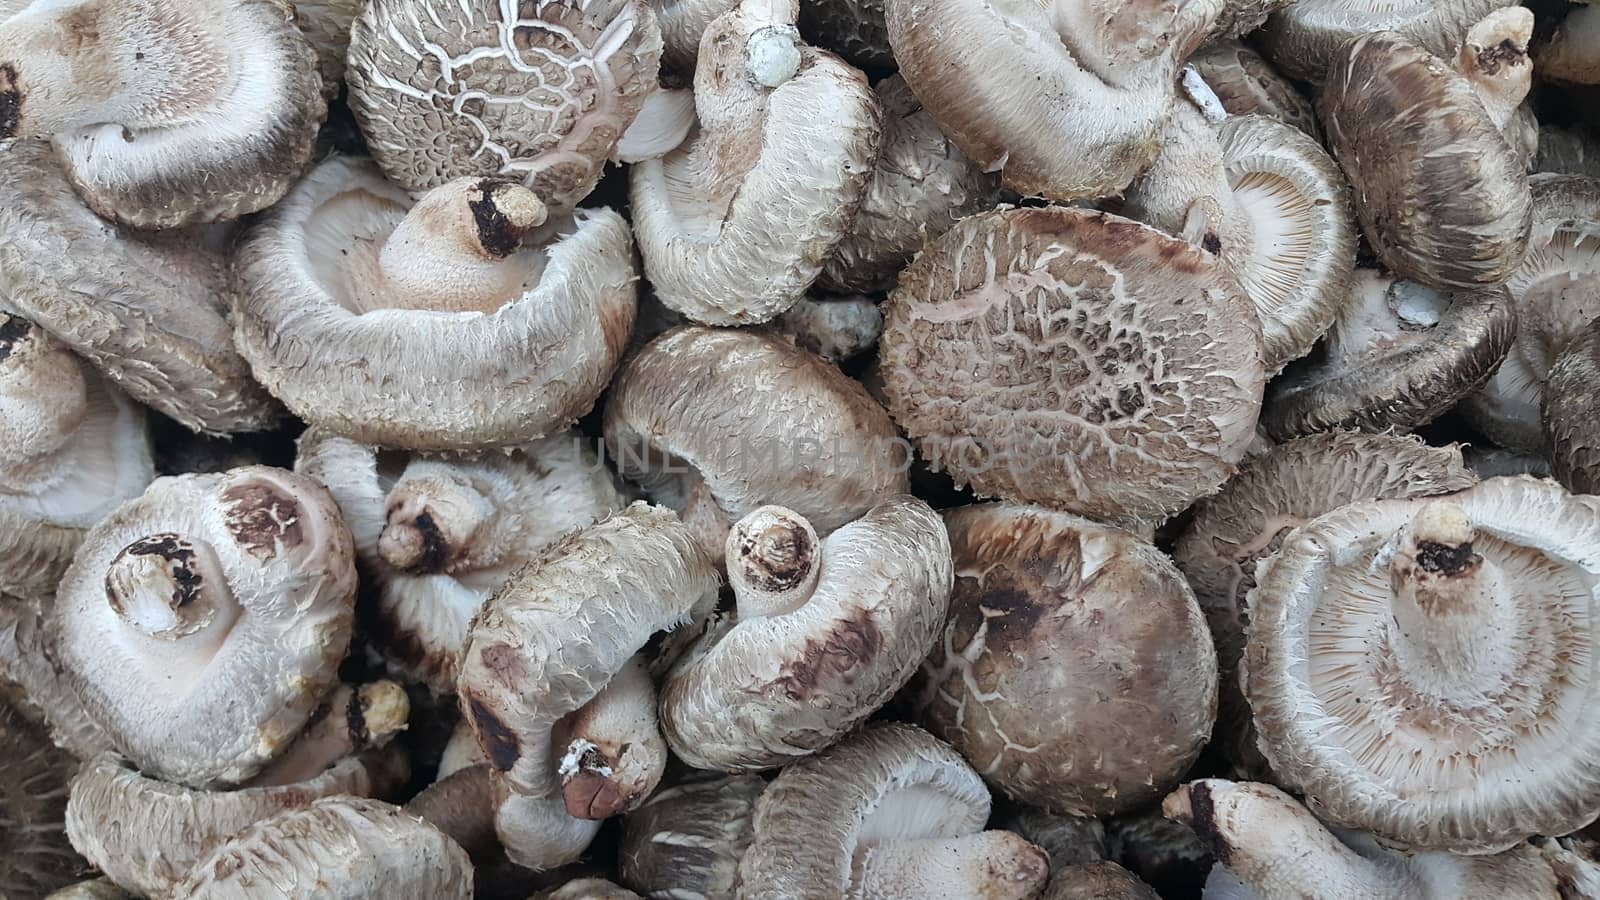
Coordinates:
(43, 400)
(447, 253)
(1494, 58)
(773, 562)
(432, 516)
(614, 755)
(351, 721)
(993, 865)
(169, 587)
(1449, 604)
(773, 54)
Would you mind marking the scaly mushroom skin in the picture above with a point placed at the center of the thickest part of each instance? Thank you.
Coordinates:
(540, 91)
(1303, 38)
(1572, 413)
(147, 310)
(1064, 99)
(1409, 659)
(437, 534)
(734, 225)
(1248, 85)
(145, 98)
(718, 423)
(431, 329)
(854, 29)
(33, 682)
(1028, 352)
(71, 448)
(98, 889)
(1440, 195)
(202, 623)
(826, 632)
(1075, 670)
(688, 838)
(549, 641)
(1097, 881)
(35, 856)
(890, 812)
(146, 834)
(340, 848)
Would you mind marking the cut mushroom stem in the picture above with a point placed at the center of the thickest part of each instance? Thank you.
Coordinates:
(352, 720)
(773, 562)
(1494, 59)
(992, 865)
(170, 587)
(614, 754)
(433, 513)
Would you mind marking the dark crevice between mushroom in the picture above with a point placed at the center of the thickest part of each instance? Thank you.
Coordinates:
(356, 720)
(12, 328)
(10, 102)
(1203, 820)
(1446, 559)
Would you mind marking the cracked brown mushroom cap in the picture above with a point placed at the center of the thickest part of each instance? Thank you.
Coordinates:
(432, 329)
(72, 447)
(1248, 520)
(1073, 358)
(1441, 196)
(826, 632)
(540, 91)
(854, 29)
(35, 856)
(147, 834)
(343, 848)
(1064, 99)
(146, 98)
(1398, 356)
(1069, 840)
(1247, 84)
(921, 184)
(718, 423)
(834, 328)
(1074, 670)
(201, 624)
(147, 310)
(1556, 292)
(1572, 413)
(436, 534)
(1420, 668)
(1303, 38)
(1571, 54)
(889, 812)
(550, 640)
(688, 838)
(735, 224)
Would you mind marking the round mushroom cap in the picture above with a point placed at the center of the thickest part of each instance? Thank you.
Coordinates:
(539, 91)
(688, 838)
(834, 328)
(1097, 881)
(1421, 668)
(1066, 100)
(1069, 840)
(1441, 196)
(1303, 38)
(72, 447)
(750, 421)
(517, 343)
(1556, 291)
(1085, 652)
(203, 622)
(1248, 85)
(683, 23)
(1073, 358)
(854, 29)
(326, 25)
(340, 848)
(147, 310)
(1572, 413)
(147, 834)
(761, 690)
(891, 793)
(1398, 356)
(436, 534)
(35, 856)
(737, 222)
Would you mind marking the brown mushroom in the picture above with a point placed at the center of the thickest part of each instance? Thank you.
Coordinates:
(1572, 413)
(1246, 84)
(1572, 51)
(1097, 881)
(834, 328)
(1303, 38)
(688, 838)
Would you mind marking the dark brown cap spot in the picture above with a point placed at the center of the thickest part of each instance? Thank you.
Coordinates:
(12, 331)
(499, 237)
(1448, 560)
(848, 650)
(260, 516)
(1505, 53)
(498, 741)
(434, 550)
(1006, 606)
(10, 102)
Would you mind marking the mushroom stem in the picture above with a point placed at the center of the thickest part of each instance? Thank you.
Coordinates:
(169, 587)
(450, 253)
(44, 398)
(992, 865)
(462, 806)
(1451, 607)
(1494, 59)
(774, 560)
(613, 756)
(352, 720)
(434, 513)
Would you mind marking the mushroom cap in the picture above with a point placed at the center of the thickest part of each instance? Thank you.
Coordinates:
(1069, 840)
(202, 622)
(237, 105)
(528, 496)
(541, 91)
(34, 854)
(342, 848)
(1073, 358)
(854, 29)
(1248, 85)
(1414, 751)
(71, 448)
(417, 378)
(1441, 196)
(588, 889)
(757, 422)
(1398, 356)
(920, 185)
(683, 23)
(146, 835)
(1303, 38)
(326, 25)
(834, 328)
(688, 838)
(759, 692)
(97, 889)
(147, 310)
(737, 222)
(1086, 653)
(1571, 53)
(1556, 292)
(1572, 413)
(1102, 880)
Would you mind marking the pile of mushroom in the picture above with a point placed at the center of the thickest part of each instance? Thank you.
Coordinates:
(915, 449)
